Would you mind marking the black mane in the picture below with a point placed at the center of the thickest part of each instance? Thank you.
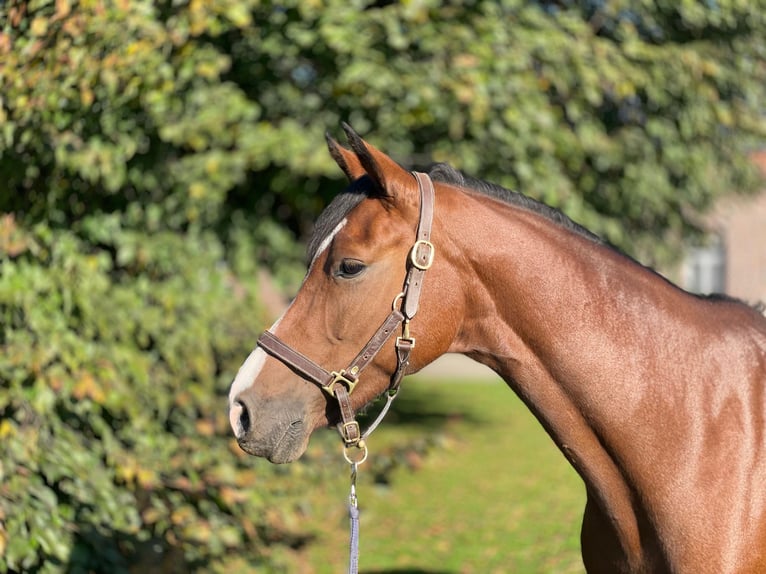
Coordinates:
(352, 196)
(445, 173)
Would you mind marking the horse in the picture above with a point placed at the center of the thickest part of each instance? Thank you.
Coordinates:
(654, 395)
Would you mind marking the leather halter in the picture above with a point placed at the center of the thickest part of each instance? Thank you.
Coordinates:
(340, 384)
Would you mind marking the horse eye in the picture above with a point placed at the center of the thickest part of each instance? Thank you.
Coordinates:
(350, 268)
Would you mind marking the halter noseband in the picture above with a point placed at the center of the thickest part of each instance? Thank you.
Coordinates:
(340, 384)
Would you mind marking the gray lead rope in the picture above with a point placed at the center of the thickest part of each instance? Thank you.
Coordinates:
(353, 503)
(353, 513)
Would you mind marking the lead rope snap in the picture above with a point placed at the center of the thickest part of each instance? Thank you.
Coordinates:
(353, 513)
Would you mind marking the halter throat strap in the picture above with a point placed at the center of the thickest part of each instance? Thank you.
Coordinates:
(340, 384)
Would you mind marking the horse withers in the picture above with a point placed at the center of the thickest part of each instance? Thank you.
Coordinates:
(656, 397)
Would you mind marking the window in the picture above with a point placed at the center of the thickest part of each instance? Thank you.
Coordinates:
(704, 269)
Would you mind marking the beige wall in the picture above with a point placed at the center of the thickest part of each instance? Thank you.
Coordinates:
(741, 223)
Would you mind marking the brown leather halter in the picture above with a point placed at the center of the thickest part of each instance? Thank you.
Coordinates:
(340, 384)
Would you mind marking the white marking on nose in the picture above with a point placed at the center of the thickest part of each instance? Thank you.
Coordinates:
(246, 375)
(248, 372)
(251, 368)
(235, 418)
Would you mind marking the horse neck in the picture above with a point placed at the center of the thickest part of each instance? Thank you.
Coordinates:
(570, 324)
(542, 296)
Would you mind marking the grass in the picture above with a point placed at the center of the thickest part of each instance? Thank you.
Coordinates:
(497, 496)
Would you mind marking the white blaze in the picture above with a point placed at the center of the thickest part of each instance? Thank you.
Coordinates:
(247, 372)
(252, 366)
(326, 242)
(245, 378)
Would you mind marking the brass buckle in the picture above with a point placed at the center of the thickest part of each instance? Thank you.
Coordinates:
(345, 432)
(410, 340)
(339, 377)
(414, 254)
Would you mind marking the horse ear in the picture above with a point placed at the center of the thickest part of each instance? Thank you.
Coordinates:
(346, 159)
(392, 179)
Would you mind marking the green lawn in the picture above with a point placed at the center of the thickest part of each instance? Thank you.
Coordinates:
(495, 496)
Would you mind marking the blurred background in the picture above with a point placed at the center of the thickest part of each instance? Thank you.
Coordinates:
(161, 163)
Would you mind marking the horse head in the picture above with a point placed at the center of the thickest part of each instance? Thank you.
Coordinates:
(360, 258)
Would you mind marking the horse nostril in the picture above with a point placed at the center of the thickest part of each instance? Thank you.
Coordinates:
(239, 418)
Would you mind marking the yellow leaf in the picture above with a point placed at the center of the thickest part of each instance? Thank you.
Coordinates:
(232, 496)
(86, 95)
(199, 531)
(126, 472)
(146, 478)
(5, 43)
(3, 539)
(6, 429)
(213, 165)
(205, 427)
(151, 515)
(207, 70)
(88, 387)
(39, 26)
(63, 8)
(196, 190)
(182, 515)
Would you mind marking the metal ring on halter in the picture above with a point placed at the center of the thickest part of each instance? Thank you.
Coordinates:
(361, 450)
(396, 300)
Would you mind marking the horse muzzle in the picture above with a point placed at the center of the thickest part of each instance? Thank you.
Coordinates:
(273, 432)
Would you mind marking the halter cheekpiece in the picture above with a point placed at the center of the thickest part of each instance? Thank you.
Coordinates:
(340, 384)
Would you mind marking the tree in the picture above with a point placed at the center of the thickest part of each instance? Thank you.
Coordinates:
(123, 313)
(631, 117)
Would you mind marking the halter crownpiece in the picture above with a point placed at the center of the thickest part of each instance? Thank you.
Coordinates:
(340, 384)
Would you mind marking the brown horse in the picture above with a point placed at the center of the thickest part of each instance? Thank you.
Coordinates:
(655, 396)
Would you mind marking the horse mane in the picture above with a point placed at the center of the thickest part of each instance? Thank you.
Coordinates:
(445, 173)
(360, 189)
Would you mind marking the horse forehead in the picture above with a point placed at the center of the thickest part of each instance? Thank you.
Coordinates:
(368, 225)
(373, 224)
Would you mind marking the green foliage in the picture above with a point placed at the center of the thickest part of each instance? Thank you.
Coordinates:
(631, 117)
(115, 443)
(127, 298)
(115, 446)
(118, 104)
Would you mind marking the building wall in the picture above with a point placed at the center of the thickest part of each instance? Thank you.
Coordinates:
(741, 224)
(735, 260)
